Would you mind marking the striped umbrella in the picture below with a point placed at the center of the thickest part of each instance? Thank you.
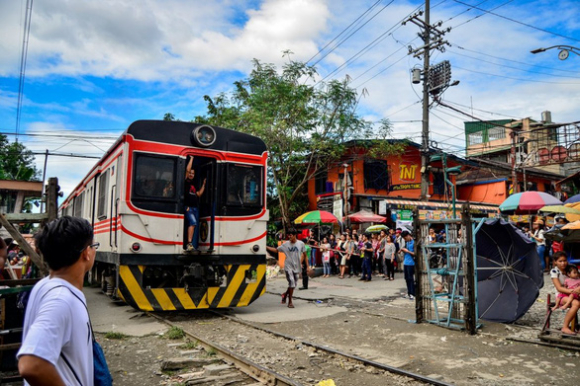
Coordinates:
(316, 217)
(527, 202)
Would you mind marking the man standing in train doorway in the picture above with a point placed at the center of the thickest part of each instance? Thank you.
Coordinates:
(191, 198)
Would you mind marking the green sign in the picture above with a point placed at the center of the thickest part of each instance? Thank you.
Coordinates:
(406, 215)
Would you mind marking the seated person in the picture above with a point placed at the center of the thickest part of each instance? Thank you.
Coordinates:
(572, 282)
(558, 276)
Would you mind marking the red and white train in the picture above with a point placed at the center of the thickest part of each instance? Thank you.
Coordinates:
(134, 198)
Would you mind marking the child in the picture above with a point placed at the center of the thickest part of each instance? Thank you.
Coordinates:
(325, 257)
(573, 281)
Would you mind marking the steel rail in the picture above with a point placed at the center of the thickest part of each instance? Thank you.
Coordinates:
(248, 367)
(331, 350)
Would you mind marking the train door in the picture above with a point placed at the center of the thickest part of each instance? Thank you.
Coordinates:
(119, 178)
(205, 230)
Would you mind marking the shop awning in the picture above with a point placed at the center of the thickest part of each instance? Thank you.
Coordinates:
(434, 204)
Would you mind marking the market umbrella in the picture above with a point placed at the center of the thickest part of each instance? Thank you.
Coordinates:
(573, 205)
(572, 225)
(316, 217)
(527, 202)
(556, 233)
(366, 216)
(560, 209)
(573, 200)
(509, 275)
(376, 228)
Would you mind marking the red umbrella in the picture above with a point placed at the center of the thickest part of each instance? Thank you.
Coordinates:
(366, 216)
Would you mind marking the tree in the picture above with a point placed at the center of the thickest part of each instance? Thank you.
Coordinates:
(305, 127)
(16, 161)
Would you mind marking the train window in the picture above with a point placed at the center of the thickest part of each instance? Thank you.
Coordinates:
(154, 178)
(244, 185)
(78, 205)
(103, 182)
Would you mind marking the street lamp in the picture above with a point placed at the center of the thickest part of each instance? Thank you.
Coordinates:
(564, 51)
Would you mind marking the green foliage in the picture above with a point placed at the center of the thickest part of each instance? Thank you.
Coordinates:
(190, 345)
(115, 335)
(16, 162)
(175, 333)
(211, 352)
(304, 126)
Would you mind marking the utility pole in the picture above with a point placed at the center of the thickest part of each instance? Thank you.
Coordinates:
(432, 39)
(425, 131)
(513, 152)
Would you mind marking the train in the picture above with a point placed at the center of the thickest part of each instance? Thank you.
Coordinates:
(134, 198)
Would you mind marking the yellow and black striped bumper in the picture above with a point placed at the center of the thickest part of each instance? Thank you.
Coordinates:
(237, 293)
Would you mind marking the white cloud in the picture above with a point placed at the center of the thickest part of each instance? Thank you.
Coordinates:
(153, 40)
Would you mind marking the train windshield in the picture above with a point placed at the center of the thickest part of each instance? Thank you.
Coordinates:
(244, 185)
(154, 177)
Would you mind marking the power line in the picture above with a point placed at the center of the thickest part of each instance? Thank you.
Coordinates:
(515, 61)
(512, 78)
(483, 111)
(364, 50)
(23, 58)
(515, 68)
(355, 31)
(480, 15)
(518, 22)
(344, 30)
(64, 136)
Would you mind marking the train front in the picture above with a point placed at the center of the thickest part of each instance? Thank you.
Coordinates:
(192, 218)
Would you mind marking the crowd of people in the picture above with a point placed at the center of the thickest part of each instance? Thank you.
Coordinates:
(365, 256)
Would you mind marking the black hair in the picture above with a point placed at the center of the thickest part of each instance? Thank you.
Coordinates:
(292, 231)
(570, 268)
(405, 233)
(61, 241)
(559, 254)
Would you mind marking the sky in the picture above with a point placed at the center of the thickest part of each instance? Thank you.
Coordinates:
(95, 66)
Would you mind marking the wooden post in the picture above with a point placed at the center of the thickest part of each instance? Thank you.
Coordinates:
(36, 259)
(51, 198)
(467, 238)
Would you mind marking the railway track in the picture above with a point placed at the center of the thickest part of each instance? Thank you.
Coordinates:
(281, 359)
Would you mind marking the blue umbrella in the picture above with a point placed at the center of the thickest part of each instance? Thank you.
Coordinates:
(573, 199)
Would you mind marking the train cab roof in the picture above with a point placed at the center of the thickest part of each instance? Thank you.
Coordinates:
(197, 135)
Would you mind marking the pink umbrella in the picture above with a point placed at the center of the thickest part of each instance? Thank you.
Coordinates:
(366, 216)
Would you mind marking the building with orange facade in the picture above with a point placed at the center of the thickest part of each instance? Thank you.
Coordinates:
(390, 186)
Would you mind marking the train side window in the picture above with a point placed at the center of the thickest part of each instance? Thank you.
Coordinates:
(102, 207)
(244, 185)
(78, 205)
(154, 178)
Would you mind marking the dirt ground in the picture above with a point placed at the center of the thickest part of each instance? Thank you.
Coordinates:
(381, 330)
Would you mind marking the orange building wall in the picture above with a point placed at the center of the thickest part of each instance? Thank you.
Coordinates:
(405, 175)
(492, 193)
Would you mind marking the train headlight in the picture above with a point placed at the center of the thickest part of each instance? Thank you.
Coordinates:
(255, 248)
(135, 247)
(203, 135)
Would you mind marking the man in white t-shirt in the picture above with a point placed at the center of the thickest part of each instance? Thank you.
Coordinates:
(57, 347)
(295, 252)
